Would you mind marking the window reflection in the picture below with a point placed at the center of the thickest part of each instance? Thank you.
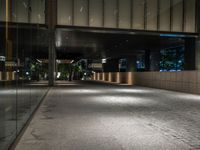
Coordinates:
(19, 47)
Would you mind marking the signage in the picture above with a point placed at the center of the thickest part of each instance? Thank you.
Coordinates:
(2, 58)
(95, 66)
(10, 64)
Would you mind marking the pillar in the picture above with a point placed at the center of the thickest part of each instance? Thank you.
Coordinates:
(2, 69)
(189, 54)
(131, 64)
(155, 60)
(2, 120)
(111, 65)
(51, 19)
(197, 44)
(197, 55)
(147, 60)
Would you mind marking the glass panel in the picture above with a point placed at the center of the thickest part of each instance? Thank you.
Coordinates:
(138, 14)
(172, 59)
(190, 15)
(124, 14)
(152, 16)
(81, 12)
(23, 92)
(64, 11)
(22, 47)
(164, 15)
(110, 13)
(7, 82)
(96, 13)
(37, 11)
(177, 15)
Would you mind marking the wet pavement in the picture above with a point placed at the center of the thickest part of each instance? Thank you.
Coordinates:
(97, 116)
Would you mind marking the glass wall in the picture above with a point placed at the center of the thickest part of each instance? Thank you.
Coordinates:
(22, 67)
(172, 59)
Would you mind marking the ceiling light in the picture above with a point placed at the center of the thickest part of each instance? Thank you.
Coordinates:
(104, 61)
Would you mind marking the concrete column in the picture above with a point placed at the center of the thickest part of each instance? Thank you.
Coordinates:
(197, 48)
(147, 60)
(111, 65)
(197, 54)
(131, 64)
(155, 60)
(2, 121)
(51, 19)
(189, 54)
(2, 67)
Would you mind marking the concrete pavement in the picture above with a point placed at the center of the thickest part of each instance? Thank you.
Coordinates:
(96, 116)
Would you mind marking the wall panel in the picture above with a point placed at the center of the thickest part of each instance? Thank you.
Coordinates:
(152, 15)
(124, 13)
(96, 13)
(37, 11)
(81, 12)
(20, 11)
(64, 12)
(2, 10)
(189, 15)
(164, 15)
(177, 15)
(110, 13)
(138, 14)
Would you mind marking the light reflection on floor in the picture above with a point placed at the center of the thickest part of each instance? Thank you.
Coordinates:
(109, 117)
(16, 104)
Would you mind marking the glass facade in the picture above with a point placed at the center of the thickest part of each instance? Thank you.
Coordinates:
(172, 59)
(24, 45)
(23, 71)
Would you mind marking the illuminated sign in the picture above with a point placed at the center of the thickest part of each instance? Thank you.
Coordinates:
(10, 64)
(2, 58)
(104, 61)
(95, 66)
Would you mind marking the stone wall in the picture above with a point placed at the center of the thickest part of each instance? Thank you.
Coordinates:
(185, 81)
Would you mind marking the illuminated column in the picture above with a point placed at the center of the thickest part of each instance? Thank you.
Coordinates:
(51, 19)
(155, 60)
(189, 54)
(111, 65)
